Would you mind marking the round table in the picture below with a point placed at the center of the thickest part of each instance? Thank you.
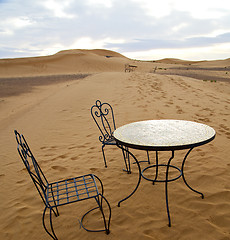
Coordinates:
(163, 135)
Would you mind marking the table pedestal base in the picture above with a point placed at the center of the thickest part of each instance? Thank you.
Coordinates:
(157, 169)
(166, 180)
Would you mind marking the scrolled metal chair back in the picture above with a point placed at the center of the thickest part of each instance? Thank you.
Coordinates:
(32, 166)
(103, 116)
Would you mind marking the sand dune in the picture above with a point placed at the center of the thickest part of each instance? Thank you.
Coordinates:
(64, 62)
(55, 119)
(71, 62)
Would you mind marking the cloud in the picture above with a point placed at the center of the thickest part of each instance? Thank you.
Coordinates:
(58, 8)
(194, 53)
(147, 44)
(198, 9)
(46, 26)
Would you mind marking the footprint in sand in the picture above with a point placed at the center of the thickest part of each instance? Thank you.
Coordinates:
(89, 135)
(49, 155)
(203, 118)
(63, 156)
(46, 147)
(225, 129)
(72, 147)
(59, 168)
(21, 181)
(201, 153)
(179, 110)
(93, 169)
(195, 105)
(170, 102)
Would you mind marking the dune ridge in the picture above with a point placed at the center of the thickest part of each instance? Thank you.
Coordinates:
(64, 62)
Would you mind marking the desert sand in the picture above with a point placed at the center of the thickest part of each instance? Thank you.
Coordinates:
(48, 99)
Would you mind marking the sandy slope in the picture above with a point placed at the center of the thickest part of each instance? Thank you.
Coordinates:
(56, 121)
(64, 62)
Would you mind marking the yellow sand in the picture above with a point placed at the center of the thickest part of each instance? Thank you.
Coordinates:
(56, 121)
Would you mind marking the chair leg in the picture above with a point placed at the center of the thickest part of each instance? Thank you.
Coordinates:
(99, 202)
(104, 155)
(102, 187)
(55, 213)
(102, 212)
(127, 157)
(126, 160)
(51, 225)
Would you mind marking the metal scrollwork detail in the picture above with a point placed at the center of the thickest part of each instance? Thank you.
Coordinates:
(103, 116)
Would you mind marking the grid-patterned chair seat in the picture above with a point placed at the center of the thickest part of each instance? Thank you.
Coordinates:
(71, 190)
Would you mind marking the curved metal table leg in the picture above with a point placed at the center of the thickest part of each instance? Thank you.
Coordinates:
(166, 188)
(148, 157)
(139, 170)
(156, 175)
(182, 169)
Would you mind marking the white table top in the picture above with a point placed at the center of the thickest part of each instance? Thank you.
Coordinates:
(163, 135)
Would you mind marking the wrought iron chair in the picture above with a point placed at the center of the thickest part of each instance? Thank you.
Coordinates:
(103, 116)
(62, 192)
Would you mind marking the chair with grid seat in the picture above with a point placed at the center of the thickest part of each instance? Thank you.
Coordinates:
(63, 192)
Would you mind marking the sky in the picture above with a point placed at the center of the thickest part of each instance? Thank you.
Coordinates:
(139, 29)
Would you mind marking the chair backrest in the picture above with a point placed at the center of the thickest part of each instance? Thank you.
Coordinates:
(32, 166)
(103, 116)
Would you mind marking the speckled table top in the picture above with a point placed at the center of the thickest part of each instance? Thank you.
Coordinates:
(164, 134)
